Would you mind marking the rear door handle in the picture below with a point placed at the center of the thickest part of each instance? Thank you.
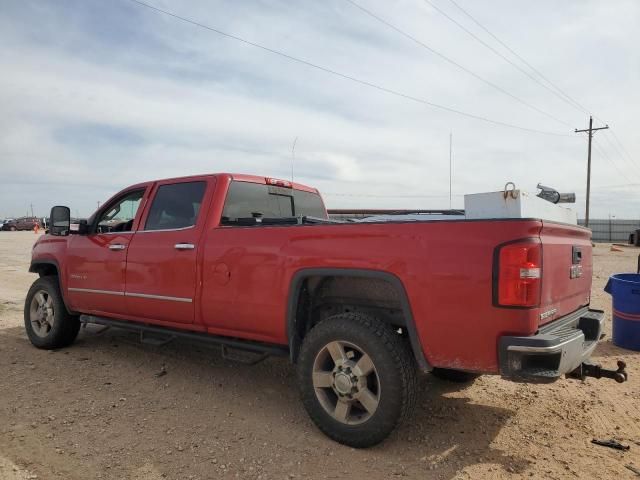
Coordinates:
(184, 246)
(117, 246)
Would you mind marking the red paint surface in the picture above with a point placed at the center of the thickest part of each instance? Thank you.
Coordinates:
(239, 277)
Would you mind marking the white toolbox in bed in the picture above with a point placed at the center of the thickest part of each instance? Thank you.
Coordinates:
(515, 204)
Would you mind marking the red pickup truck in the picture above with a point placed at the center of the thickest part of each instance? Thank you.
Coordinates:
(254, 263)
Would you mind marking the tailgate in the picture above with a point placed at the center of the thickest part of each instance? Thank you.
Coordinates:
(567, 268)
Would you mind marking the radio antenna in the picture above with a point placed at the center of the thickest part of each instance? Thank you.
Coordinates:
(450, 164)
(293, 156)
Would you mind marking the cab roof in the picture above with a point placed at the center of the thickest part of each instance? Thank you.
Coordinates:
(239, 177)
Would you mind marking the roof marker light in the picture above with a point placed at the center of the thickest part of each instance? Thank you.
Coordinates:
(278, 183)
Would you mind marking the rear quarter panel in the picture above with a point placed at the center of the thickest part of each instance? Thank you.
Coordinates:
(445, 267)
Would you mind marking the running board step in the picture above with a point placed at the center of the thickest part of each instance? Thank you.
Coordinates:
(242, 356)
(203, 337)
(155, 341)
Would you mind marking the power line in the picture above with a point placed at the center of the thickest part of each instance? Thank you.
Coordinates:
(625, 160)
(558, 91)
(623, 151)
(347, 77)
(538, 72)
(506, 59)
(453, 62)
(620, 143)
(600, 149)
(567, 98)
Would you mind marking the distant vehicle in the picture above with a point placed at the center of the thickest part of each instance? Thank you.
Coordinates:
(22, 223)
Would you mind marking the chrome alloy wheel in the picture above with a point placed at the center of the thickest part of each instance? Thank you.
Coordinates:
(41, 313)
(346, 382)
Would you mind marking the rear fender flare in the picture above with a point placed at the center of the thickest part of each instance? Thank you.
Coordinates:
(294, 294)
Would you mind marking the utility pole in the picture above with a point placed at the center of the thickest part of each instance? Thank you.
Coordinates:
(590, 130)
(31, 205)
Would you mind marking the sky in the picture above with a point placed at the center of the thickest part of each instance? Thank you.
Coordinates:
(97, 95)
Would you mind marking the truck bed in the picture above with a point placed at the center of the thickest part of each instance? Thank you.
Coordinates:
(446, 268)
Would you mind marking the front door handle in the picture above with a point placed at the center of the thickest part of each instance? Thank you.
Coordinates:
(117, 246)
(184, 246)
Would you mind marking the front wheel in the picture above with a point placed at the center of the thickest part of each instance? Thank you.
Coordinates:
(46, 320)
(357, 379)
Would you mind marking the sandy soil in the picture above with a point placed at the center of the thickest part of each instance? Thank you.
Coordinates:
(98, 410)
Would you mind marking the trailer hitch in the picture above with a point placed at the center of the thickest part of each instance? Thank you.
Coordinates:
(587, 369)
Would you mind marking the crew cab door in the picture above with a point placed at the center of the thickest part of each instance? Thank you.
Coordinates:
(96, 262)
(161, 274)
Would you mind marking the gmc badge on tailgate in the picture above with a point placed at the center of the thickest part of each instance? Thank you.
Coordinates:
(576, 260)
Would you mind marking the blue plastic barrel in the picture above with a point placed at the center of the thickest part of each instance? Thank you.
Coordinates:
(625, 292)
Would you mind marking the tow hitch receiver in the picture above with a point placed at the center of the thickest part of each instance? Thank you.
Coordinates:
(587, 369)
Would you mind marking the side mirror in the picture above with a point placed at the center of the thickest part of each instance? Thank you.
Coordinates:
(60, 221)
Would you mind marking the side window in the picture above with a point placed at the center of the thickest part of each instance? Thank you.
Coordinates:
(120, 215)
(176, 206)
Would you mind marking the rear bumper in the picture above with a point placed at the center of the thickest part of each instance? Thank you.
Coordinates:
(557, 349)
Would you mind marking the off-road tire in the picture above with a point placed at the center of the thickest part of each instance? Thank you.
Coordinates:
(456, 376)
(394, 368)
(65, 326)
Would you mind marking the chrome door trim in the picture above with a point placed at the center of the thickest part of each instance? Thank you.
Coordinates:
(130, 294)
(117, 246)
(158, 297)
(128, 232)
(166, 229)
(184, 246)
(93, 290)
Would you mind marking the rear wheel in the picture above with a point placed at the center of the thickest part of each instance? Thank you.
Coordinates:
(357, 379)
(46, 320)
(12, 228)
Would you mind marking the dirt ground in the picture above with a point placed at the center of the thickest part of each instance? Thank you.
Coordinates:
(99, 410)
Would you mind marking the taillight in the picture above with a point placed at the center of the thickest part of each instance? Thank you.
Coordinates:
(519, 274)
